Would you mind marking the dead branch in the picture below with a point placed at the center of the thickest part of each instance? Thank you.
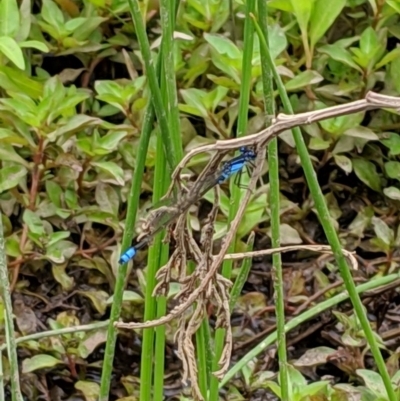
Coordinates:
(285, 122)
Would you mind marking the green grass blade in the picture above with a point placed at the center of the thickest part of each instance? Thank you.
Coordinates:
(333, 239)
(298, 320)
(158, 103)
(8, 320)
(157, 255)
(133, 204)
(235, 190)
(274, 202)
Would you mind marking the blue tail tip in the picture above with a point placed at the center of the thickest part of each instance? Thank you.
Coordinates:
(127, 256)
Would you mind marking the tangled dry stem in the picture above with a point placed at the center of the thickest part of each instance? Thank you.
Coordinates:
(204, 284)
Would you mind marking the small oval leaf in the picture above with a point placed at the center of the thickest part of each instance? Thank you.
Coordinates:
(41, 361)
(9, 47)
(366, 172)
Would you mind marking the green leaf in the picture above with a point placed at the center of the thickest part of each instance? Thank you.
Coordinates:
(289, 235)
(61, 251)
(17, 81)
(98, 298)
(106, 87)
(41, 361)
(302, 10)
(373, 6)
(315, 356)
(391, 56)
(9, 47)
(394, 4)
(383, 231)
(113, 100)
(73, 24)
(10, 176)
(323, 15)
(90, 390)
(344, 163)
(102, 266)
(392, 193)
(71, 198)
(21, 105)
(24, 107)
(366, 172)
(68, 106)
(312, 389)
(394, 74)
(74, 124)
(230, 67)
(339, 53)
(296, 377)
(85, 30)
(224, 81)
(392, 142)
(33, 221)
(8, 153)
(274, 387)
(62, 277)
(25, 15)
(111, 140)
(98, 3)
(128, 296)
(369, 42)
(223, 46)
(58, 236)
(51, 30)
(97, 216)
(304, 79)
(339, 125)
(373, 381)
(8, 136)
(194, 98)
(34, 44)
(52, 14)
(277, 40)
(361, 221)
(91, 342)
(112, 169)
(9, 18)
(393, 169)
(54, 192)
(372, 48)
(319, 144)
(13, 246)
(255, 213)
(107, 198)
(214, 98)
(184, 108)
(282, 5)
(361, 132)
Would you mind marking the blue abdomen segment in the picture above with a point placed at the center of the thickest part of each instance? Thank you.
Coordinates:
(236, 164)
(230, 169)
(127, 255)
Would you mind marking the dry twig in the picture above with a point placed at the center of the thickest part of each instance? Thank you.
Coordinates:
(205, 283)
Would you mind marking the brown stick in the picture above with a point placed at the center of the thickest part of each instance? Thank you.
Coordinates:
(284, 122)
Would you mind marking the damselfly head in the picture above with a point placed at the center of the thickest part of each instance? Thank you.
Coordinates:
(247, 153)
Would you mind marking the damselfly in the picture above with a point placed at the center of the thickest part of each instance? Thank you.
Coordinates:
(165, 215)
(236, 164)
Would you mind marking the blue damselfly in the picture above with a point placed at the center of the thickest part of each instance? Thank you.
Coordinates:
(165, 215)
